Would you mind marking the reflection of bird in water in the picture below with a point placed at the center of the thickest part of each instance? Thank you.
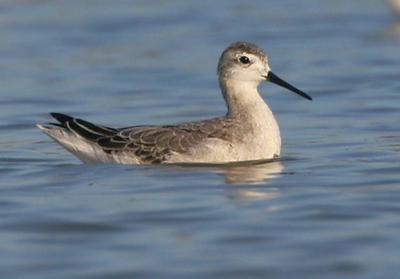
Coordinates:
(251, 172)
(249, 180)
(393, 30)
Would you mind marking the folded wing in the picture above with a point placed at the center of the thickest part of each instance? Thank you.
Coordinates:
(149, 144)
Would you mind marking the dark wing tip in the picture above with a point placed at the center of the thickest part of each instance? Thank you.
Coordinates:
(62, 118)
(83, 128)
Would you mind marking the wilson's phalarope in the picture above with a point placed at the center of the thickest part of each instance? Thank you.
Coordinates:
(249, 130)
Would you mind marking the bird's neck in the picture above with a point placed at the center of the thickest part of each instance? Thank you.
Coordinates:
(242, 98)
(259, 127)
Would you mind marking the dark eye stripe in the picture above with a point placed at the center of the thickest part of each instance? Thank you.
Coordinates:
(244, 60)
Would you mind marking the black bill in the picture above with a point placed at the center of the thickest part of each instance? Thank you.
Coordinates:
(277, 80)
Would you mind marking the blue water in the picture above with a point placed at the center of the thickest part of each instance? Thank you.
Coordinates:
(329, 209)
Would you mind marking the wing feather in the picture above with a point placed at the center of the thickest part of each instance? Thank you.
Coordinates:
(150, 144)
(157, 143)
(82, 130)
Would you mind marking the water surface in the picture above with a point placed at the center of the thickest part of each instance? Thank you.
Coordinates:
(328, 209)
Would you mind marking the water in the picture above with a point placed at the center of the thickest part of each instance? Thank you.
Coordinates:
(329, 209)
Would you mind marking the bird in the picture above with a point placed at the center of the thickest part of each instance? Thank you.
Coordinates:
(395, 5)
(248, 131)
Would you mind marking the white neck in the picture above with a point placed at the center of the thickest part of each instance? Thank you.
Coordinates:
(245, 104)
(241, 97)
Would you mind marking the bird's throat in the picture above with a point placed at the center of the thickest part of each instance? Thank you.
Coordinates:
(241, 97)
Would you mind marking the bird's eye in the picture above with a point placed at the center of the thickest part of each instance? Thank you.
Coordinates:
(244, 60)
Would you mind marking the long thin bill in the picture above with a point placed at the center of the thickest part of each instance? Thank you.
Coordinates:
(277, 80)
